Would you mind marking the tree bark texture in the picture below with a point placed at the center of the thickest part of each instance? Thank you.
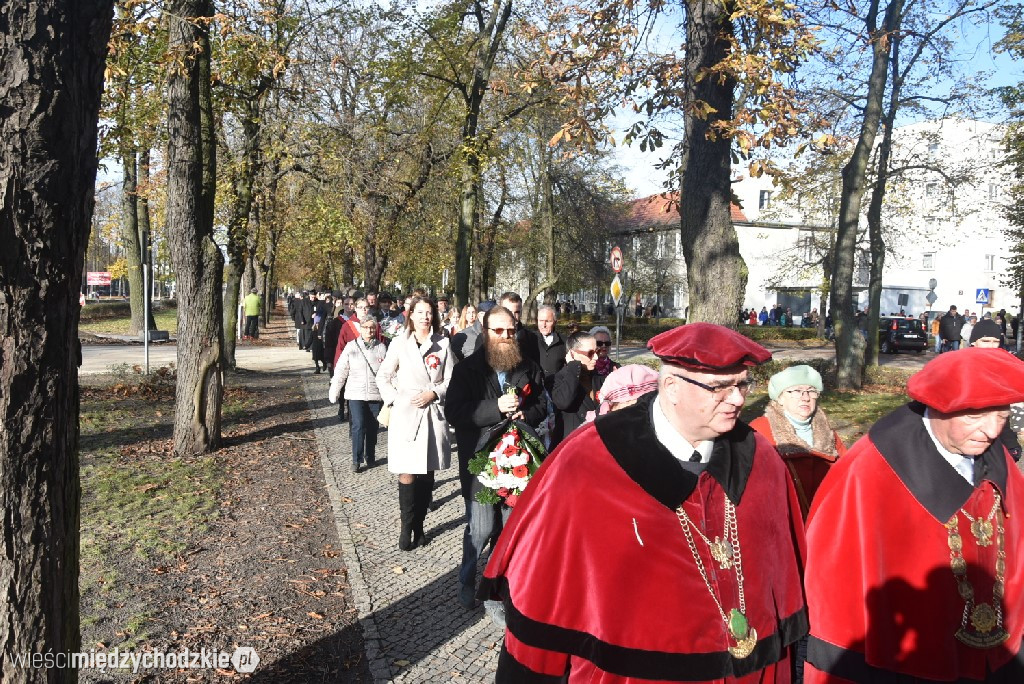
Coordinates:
(198, 262)
(238, 227)
(716, 273)
(849, 343)
(53, 55)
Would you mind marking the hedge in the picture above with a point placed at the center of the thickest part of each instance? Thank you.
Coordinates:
(96, 311)
(645, 331)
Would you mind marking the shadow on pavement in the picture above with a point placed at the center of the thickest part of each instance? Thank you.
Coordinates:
(420, 623)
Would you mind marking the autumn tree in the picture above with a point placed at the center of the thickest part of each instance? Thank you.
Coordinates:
(198, 263)
(1012, 97)
(719, 96)
(50, 84)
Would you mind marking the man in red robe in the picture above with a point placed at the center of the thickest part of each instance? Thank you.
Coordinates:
(661, 542)
(915, 570)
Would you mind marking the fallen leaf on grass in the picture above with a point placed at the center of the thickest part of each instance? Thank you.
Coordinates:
(402, 663)
(398, 570)
(315, 616)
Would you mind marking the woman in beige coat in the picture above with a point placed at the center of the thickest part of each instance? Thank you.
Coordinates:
(414, 379)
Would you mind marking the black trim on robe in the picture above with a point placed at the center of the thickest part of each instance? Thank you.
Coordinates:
(904, 443)
(644, 664)
(630, 438)
(511, 671)
(841, 662)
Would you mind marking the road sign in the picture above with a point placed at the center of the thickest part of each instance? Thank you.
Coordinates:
(97, 278)
(982, 295)
(931, 297)
(932, 283)
(616, 289)
(616, 259)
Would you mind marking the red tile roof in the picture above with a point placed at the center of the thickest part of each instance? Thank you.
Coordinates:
(660, 211)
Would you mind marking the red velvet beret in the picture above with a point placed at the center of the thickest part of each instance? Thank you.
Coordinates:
(971, 378)
(707, 347)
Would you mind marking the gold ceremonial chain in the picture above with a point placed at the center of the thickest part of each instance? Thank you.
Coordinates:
(986, 621)
(982, 529)
(727, 554)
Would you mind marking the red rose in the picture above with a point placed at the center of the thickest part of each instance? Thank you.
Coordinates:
(511, 499)
(503, 492)
(520, 471)
(494, 470)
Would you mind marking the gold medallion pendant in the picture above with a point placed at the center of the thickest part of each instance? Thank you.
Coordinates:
(743, 633)
(985, 630)
(721, 551)
(982, 531)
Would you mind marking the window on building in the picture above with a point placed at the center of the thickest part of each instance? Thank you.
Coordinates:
(990, 262)
(931, 190)
(928, 261)
(805, 246)
(933, 148)
(993, 191)
(764, 200)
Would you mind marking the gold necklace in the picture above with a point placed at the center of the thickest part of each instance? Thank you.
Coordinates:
(986, 621)
(736, 623)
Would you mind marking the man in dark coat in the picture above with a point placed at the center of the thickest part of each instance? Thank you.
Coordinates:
(915, 565)
(951, 327)
(479, 398)
(660, 542)
(547, 347)
(573, 391)
(304, 319)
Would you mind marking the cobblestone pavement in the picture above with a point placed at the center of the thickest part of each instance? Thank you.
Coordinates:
(414, 627)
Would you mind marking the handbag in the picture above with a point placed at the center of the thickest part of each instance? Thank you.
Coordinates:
(384, 417)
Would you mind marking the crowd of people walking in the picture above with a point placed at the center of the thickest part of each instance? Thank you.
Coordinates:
(621, 561)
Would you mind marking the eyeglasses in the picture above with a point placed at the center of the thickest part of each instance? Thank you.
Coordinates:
(589, 353)
(601, 343)
(809, 393)
(720, 392)
(503, 332)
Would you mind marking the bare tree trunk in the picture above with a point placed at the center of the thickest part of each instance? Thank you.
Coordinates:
(197, 259)
(130, 235)
(849, 343)
(53, 60)
(547, 226)
(716, 273)
(490, 33)
(145, 232)
(238, 228)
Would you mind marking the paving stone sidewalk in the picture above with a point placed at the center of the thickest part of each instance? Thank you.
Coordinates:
(414, 627)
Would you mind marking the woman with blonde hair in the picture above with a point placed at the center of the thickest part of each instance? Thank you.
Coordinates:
(413, 380)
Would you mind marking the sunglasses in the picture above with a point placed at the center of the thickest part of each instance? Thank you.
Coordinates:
(601, 343)
(503, 332)
(589, 353)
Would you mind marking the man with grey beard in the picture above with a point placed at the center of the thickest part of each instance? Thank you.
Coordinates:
(491, 385)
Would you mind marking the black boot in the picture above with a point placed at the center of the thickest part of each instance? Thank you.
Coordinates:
(424, 493)
(407, 505)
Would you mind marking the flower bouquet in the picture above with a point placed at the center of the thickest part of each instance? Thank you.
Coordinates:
(507, 463)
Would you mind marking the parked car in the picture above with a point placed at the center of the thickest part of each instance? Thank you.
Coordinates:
(901, 334)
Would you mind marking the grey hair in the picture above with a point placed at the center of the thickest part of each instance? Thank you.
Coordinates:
(601, 329)
(546, 307)
(368, 318)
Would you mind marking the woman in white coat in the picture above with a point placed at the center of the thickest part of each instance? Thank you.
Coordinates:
(414, 379)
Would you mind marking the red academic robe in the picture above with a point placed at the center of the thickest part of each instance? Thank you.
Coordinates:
(598, 579)
(883, 600)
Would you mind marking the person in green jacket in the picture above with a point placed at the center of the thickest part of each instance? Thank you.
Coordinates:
(253, 304)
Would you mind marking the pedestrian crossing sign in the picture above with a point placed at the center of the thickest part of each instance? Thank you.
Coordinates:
(982, 296)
